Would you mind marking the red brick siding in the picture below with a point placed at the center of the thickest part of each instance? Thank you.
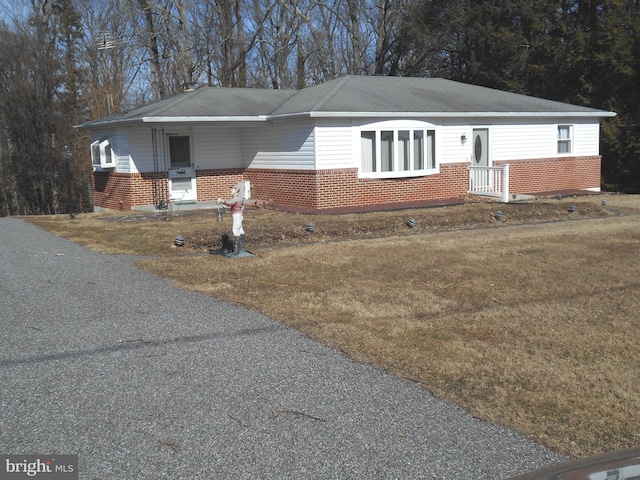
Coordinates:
(330, 189)
(211, 184)
(543, 175)
(284, 187)
(325, 189)
(118, 191)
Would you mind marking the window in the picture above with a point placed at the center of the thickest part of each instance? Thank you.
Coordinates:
(179, 152)
(368, 149)
(564, 138)
(102, 155)
(386, 150)
(397, 152)
(404, 150)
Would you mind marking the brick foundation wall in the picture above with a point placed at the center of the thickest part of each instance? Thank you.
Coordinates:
(544, 175)
(211, 184)
(121, 191)
(112, 190)
(341, 188)
(285, 187)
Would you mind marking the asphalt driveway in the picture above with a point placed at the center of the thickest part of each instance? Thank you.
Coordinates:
(145, 381)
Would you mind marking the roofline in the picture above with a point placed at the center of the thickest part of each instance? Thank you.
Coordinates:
(207, 119)
(594, 114)
(265, 118)
(134, 121)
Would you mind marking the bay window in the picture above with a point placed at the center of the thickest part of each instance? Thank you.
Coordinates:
(397, 152)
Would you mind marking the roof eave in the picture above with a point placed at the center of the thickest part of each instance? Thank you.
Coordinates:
(206, 119)
(315, 114)
(149, 120)
(594, 114)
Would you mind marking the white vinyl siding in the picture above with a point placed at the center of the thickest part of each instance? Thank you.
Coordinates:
(540, 140)
(587, 139)
(519, 139)
(123, 159)
(334, 145)
(218, 146)
(523, 141)
(140, 149)
(453, 149)
(289, 145)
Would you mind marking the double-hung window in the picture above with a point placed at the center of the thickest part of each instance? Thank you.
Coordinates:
(394, 152)
(565, 138)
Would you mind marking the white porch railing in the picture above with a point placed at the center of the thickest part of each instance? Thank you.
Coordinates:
(490, 181)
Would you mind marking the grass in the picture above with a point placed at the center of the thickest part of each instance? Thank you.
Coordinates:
(531, 321)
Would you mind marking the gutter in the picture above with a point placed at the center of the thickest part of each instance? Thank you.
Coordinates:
(315, 114)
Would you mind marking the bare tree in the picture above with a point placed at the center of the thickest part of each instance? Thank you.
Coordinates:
(148, 35)
(111, 61)
(38, 105)
(275, 44)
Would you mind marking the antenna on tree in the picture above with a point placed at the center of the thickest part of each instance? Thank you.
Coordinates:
(106, 41)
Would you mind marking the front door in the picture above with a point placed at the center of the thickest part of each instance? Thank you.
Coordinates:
(483, 178)
(182, 178)
(480, 147)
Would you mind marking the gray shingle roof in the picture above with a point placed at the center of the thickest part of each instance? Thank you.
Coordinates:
(351, 96)
(203, 104)
(398, 95)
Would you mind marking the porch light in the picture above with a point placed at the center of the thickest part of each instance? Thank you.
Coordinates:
(463, 138)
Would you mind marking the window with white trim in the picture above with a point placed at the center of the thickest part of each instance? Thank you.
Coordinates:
(102, 155)
(397, 151)
(565, 138)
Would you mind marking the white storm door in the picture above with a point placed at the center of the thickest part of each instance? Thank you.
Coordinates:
(480, 158)
(480, 147)
(182, 175)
